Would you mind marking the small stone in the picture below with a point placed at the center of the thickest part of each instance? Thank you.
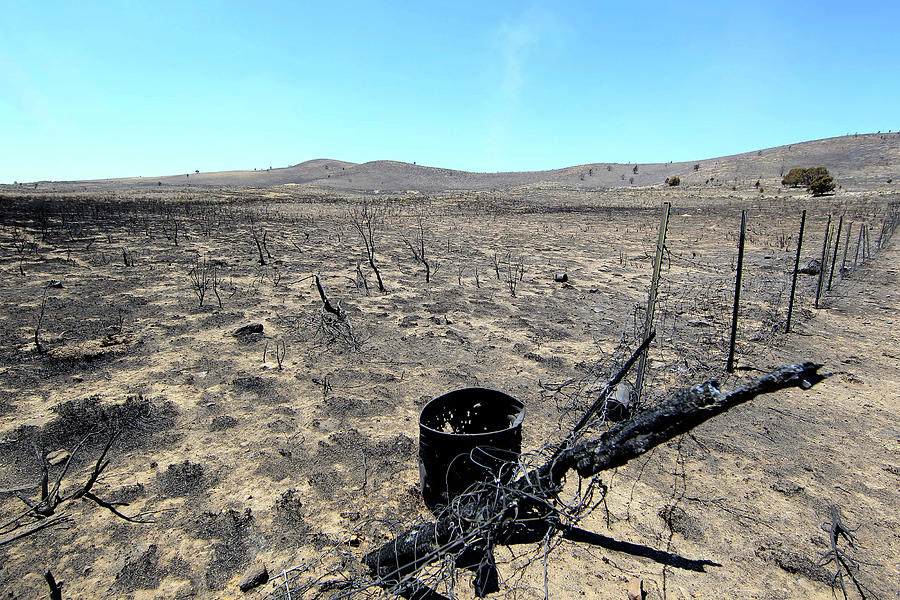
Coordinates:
(58, 457)
(77, 378)
(811, 268)
(787, 488)
(55, 283)
(248, 329)
(636, 589)
(561, 278)
(594, 290)
(255, 576)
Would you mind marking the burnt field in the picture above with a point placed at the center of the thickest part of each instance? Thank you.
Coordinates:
(298, 441)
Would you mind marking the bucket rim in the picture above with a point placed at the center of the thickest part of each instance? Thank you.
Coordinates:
(517, 422)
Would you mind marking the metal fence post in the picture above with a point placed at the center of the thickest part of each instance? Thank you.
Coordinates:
(787, 328)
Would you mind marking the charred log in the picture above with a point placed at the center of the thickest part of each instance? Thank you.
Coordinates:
(489, 513)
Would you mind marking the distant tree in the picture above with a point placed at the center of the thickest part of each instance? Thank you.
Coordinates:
(673, 181)
(635, 169)
(794, 177)
(803, 176)
(697, 167)
(821, 186)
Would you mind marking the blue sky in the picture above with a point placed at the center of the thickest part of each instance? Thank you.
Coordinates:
(94, 89)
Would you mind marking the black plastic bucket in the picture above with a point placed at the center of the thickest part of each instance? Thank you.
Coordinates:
(467, 436)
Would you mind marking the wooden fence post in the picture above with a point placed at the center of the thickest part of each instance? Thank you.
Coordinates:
(651, 302)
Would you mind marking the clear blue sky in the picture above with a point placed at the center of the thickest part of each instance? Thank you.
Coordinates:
(112, 89)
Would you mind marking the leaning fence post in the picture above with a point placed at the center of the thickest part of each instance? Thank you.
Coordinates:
(651, 302)
(787, 328)
(837, 243)
(737, 292)
(858, 242)
(825, 244)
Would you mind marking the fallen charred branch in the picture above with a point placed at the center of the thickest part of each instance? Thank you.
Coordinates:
(527, 509)
(51, 497)
(843, 561)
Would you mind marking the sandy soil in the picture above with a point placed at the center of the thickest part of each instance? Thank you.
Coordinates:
(238, 461)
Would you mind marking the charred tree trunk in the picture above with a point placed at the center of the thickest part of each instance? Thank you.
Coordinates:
(328, 306)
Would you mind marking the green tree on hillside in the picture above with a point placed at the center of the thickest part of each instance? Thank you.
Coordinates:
(821, 186)
(803, 176)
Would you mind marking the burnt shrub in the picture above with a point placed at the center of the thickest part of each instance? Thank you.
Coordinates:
(183, 479)
(230, 533)
(134, 420)
(673, 181)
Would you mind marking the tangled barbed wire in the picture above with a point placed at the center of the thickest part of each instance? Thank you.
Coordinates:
(527, 501)
(505, 519)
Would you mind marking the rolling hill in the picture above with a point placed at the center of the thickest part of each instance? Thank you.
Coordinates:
(864, 158)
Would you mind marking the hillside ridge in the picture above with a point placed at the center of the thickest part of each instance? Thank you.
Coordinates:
(858, 156)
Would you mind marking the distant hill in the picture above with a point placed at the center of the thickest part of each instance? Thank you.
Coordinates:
(305, 172)
(874, 157)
